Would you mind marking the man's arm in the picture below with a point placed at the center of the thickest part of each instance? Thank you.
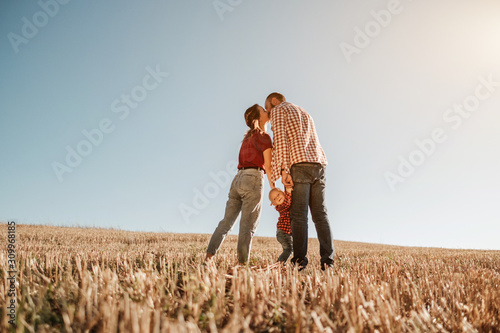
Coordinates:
(280, 158)
(286, 178)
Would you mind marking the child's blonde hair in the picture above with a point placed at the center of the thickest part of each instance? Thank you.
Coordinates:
(274, 190)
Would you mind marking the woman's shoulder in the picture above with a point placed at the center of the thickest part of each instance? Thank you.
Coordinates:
(262, 135)
(264, 139)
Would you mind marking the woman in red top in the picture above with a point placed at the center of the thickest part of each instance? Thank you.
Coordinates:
(247, 188)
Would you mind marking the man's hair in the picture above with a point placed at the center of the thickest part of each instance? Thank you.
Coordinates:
(276, 95)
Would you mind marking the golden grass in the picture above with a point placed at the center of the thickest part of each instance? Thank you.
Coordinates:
(100, 280)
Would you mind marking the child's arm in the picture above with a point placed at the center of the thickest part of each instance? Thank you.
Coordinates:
(288, 200)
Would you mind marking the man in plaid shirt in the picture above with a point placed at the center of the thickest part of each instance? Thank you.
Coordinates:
(299, 161)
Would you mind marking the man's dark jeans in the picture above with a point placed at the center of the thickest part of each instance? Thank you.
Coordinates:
(309, 192)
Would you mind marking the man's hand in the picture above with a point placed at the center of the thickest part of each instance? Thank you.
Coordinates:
(286, 179)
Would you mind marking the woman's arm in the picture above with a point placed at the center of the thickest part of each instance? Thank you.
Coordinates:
(267, 166)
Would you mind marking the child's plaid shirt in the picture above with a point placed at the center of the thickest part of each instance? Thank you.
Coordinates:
(284, 210)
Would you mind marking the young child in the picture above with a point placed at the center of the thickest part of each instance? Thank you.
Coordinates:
(281, 200)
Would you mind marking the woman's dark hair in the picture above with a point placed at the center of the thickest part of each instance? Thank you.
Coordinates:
(252, 114)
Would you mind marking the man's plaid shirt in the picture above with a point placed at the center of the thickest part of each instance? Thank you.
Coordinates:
(284, 210)
(294, 139)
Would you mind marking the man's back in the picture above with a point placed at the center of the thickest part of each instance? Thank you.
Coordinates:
(295, 138)
(305, 139)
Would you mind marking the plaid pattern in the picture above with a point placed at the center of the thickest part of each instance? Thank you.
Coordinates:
(295, 139)
(284, 210)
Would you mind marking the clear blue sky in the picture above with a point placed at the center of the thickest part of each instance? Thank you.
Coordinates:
(376, 76)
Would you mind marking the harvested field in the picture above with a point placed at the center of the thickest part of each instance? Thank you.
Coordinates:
(101, 280)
